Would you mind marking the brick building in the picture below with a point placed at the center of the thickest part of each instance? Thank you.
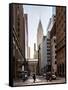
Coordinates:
(53, 47)
(18, 60)
(60, 40)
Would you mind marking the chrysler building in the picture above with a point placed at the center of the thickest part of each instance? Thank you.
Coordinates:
(39, 33)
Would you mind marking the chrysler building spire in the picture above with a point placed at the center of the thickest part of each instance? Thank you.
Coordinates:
(39, 33)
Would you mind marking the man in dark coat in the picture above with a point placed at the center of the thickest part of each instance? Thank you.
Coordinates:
(48, 76)
(34, 77)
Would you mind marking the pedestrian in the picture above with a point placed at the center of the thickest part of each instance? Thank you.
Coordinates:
(47, 76)
(50, 76)
(34, 77)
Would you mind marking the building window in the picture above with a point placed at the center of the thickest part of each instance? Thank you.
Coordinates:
(48, 42)
(18, 29)
(48, 39)
(18, 23)
(54, 41)
(55, 62)
(55, 46)
(48, 53)
(48, 49)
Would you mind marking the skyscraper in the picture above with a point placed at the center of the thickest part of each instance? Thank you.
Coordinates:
(18, 30)
(28, 52)
(39, 34)
(60, 40)
(53, 47)
(35, 52)
(39, 41)
(34, 46)
(26, 35)
(18, 27)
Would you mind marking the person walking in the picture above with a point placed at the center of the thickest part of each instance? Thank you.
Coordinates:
(34, 78)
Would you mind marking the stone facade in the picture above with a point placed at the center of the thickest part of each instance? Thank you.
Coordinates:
(60, 40)
(32, 63)
(18, 31)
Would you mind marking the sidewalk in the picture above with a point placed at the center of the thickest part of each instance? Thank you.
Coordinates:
(39, 80)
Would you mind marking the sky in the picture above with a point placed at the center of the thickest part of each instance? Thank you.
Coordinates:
(36, 13)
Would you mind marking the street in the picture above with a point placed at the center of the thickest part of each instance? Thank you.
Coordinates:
(39, 80)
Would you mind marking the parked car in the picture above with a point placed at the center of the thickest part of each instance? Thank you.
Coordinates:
(44, 75)
(50, 76)
(53, 76)
(24, 75)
